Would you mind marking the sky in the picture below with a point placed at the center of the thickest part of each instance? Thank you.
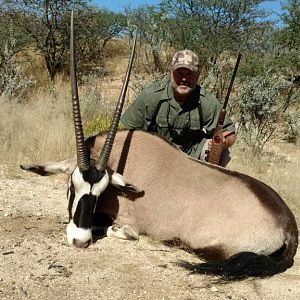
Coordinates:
(118, 5)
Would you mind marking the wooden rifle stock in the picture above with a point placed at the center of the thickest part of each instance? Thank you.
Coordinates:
(218, 137)
(217, 141)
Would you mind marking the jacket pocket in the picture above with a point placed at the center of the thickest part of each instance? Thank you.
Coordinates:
(162, 122)
(195, 124)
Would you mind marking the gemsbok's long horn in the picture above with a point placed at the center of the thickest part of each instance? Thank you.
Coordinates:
(101, 163)
(82, 153)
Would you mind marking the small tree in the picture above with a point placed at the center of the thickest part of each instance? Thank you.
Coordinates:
(290, 33)
(12, 82)
(287, 39)
(150, 21)
(94, 29)
(45, 23)
(42, 21)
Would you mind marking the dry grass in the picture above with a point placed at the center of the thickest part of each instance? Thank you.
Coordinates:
(41, 129)
(36, 130)
(279, 168)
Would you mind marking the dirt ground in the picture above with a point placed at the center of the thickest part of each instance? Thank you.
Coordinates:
(37, 263)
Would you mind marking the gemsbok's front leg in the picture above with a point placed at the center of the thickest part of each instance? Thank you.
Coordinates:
(125, 232)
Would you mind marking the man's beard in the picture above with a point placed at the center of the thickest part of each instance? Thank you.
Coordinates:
(184, 89)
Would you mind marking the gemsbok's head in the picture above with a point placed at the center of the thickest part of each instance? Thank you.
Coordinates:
(90, 178)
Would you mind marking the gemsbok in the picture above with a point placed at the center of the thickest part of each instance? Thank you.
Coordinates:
(238, 224)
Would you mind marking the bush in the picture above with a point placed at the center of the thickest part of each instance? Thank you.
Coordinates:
(265, 106)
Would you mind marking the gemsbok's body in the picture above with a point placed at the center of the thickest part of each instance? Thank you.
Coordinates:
(238, 224)
(216, 212)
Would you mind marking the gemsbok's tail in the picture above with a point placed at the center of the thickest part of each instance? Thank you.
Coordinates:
(249, 264)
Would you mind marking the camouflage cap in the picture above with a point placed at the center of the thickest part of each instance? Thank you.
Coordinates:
(185, 59)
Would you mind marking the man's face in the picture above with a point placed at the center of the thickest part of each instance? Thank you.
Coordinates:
(184, 81)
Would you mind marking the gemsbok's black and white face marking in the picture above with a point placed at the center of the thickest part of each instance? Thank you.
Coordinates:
(83, 192)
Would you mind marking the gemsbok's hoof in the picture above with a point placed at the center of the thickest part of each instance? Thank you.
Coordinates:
(125, 233)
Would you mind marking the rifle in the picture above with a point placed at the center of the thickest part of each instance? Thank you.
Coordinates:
(217, 139)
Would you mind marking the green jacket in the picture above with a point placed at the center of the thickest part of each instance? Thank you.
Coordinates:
(188, 125)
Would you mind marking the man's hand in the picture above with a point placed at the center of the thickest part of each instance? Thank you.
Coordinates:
(229, 138)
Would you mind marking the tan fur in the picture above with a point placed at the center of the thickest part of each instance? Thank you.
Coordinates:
(205, 206)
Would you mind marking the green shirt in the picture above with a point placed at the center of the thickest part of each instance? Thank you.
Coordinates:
(188, 125)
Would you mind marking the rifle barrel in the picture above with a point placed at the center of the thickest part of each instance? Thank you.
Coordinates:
(232, 80)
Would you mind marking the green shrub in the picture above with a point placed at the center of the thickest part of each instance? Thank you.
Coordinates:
(98, 125)
(265, 105)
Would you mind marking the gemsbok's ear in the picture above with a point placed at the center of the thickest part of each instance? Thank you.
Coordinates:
(123, 186)
(51, 168)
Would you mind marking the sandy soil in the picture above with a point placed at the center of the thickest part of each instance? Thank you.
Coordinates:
(37, 263)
